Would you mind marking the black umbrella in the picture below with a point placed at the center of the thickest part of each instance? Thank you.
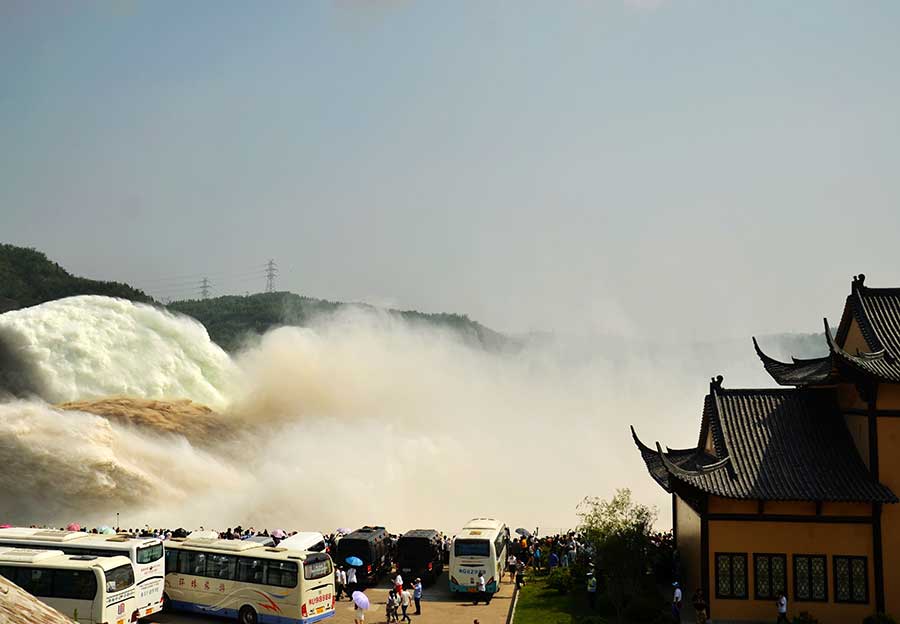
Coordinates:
(524, 532)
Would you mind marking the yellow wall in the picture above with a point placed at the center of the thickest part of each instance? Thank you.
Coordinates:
(889, 475)
(848, 397)
(717, 504)
(888, 396)
(858, 426)
(790, 508)
(687, 528)
(855, 341)
(788, 538)
(846, 509)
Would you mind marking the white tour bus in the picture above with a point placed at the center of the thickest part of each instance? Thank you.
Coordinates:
(256, 584)
(146, 553)
(304, 540)
(88, 589)
(480, 546)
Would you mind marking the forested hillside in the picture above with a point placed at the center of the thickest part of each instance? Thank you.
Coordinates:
(231, 319)
(28, 277)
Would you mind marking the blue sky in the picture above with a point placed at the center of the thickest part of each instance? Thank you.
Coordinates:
(658, 168)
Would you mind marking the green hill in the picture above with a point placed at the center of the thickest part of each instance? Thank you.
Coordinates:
(231, 319)
(28, 277)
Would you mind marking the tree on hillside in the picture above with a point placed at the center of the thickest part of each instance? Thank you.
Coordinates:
(619, 533)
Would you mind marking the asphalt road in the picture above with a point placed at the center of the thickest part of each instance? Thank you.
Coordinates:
(438, 606)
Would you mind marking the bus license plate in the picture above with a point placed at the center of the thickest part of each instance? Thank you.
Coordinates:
(472, 590)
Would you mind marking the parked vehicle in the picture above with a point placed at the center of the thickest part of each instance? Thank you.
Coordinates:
(372, 547)
(96, 590)
(420, 554)
(248, 581)
(479, 548)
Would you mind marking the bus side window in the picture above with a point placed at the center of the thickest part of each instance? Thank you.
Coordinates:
(74, 584)
(500, 543)
(13, 575)
(250, 570)
(197, 563)
(184, 562)
(281, 573)
(171, 561)
(40, 583)
(220, 566)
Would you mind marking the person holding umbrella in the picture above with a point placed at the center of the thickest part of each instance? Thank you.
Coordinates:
(361, 605)
(352, 583)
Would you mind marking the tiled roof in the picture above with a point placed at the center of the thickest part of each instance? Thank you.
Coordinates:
(877, 312)
(777, 444)
(799, 372)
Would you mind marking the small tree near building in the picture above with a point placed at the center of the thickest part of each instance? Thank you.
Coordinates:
(619, 534)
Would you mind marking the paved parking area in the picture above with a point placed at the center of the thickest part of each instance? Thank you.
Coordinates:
(439, 606)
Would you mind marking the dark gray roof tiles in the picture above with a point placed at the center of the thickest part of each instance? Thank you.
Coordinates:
(799, 372)
(776, 444)
(877, 312)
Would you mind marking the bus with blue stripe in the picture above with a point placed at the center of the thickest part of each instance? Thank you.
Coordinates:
(480, 547)
(248, 581)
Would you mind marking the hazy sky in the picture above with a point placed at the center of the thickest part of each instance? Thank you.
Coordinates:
(648, 167)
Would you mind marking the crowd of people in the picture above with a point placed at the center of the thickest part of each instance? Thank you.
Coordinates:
(525, 551)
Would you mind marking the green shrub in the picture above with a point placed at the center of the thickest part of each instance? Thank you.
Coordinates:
(560, 580)
(646, 606)
(880, 618)
(590, 619)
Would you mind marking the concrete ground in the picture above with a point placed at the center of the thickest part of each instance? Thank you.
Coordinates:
(438, 606)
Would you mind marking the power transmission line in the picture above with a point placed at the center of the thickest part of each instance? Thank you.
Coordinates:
(204, 288)
(271, 272)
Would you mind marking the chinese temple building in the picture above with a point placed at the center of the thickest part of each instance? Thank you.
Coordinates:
(793, 489)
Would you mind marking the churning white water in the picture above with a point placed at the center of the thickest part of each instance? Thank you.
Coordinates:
(90, 346)
(360, 418)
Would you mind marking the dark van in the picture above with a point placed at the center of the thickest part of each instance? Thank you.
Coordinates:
(372, 545)
(420, 554)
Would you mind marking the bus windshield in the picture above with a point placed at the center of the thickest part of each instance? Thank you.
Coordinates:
(472, 548)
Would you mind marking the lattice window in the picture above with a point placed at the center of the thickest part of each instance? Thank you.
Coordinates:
(851, 583)
(769, 572)
(731, 575)
(810, 578)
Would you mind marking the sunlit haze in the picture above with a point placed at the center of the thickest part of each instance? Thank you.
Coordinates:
(635, 181)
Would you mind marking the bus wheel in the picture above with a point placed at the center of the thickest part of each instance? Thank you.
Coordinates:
(167, 603)
(247, 615)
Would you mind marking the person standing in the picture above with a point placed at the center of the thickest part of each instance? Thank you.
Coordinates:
(592, 590)
(398, 583)
(553, 561)
(481, 594)
(676, 602)
(781, 605)
(511, 564)
(700, 607)
(537, 558)
(405, 600)
(520, 576)
(338, 583)
(417, 595)
(351, 582)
